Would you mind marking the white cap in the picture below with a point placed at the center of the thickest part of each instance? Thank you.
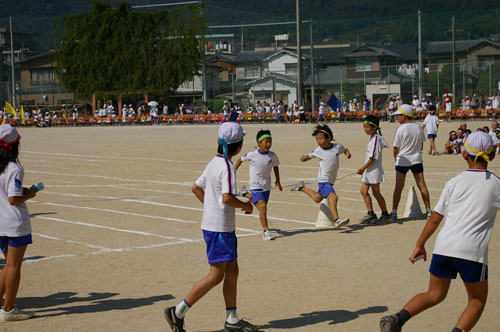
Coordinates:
(478, 144)
(405, 109)
(231, 132)
(8, 136)
(415, 96)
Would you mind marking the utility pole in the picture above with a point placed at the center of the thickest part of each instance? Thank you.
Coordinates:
(13, 92)
(420, 65)
(299, 56)
(453, 58)
(313, 97)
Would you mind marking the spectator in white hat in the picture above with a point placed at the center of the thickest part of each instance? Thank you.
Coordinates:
(15, 226)
(469, 203)
(216, 189)
(407, 149)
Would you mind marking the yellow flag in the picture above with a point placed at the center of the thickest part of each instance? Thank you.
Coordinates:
(23, 119)
(4, 122)
(10, 109)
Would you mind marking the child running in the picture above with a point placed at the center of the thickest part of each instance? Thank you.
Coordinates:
(216, 189)
(15, 226)
(431, 121)
(261, 163)
(469, 203)
(372, 171)
(328, 155)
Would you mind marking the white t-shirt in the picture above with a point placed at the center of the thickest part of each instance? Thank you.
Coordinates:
(469, 203)
(328, 162)
(408, 139)
(448, 107)
(321, 110)
(374, 173)
(431, 123)
(261, 165)
(219, 177)
(14, 219)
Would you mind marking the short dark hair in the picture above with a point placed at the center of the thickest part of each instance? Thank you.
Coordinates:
(231, 148)
(372, 118)
(262, 132)
(7, 156)
(432, 108)
(324, 129)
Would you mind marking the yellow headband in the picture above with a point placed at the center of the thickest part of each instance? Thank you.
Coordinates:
(483, 154)
(407, 114)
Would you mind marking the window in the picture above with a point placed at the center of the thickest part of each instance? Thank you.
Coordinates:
(40, 76)
(290, 69)
(363, 65)
(484, 61)
(252, 72)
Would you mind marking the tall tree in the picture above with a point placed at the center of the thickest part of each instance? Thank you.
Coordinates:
(115, 50)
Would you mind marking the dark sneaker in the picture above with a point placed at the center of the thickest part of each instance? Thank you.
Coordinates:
(369, 219)
(384, 219)
(240, 326)
(176, 324)
(390, 324)
(394, 216)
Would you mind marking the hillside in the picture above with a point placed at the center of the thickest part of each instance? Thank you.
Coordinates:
(371, 21)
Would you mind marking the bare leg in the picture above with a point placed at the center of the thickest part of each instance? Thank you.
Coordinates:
(438, 289)
(477, 294)
(202, 287)
(262, 207)
(419, 179)
(333, 205)
(12, 275)
(311, 193)
(378, 196)
(432, 144)
(398, 189)
(229, 288)
(366, 196)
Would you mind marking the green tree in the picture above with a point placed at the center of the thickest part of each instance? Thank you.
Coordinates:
(115, 50)
(483, 84)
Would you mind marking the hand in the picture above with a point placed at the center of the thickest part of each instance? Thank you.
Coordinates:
(278, 185)
(417, 252)
(348, 154)
(248, 208)
(360, 171)
(30, 193)
(303, 158)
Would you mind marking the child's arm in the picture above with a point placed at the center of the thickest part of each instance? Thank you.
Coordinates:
(198, 192)
(277, 176)
(395, 152)
(231, 200)
(28, 194)
(305, 158)
(238, 164)
(347, 153)
(366, 165)
(429, 229)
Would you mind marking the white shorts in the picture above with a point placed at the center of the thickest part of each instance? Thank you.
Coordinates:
(373, 176)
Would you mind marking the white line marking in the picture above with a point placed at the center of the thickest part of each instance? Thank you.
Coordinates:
(70, 241)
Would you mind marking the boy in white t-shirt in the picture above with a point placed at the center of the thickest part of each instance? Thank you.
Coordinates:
(469, 203)
(328, 155)
(431, 121)
(407, 149)
(261, 162)
(372, 171)
(216, 189)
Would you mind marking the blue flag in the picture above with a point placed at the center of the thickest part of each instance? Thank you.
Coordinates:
(334, 102)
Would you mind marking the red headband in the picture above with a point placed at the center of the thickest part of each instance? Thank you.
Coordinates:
(324, 131)
(8, 146)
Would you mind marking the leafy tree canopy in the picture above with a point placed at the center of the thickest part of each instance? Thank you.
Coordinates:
(115, 50)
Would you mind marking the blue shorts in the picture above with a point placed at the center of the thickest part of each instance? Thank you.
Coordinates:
(15, 242)
(415, 169)
(221, 246)
(325, 188)
(431, 135)
(448, 267)
(321, 116)
(258, 194)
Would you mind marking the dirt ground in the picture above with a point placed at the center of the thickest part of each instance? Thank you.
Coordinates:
(117, 236)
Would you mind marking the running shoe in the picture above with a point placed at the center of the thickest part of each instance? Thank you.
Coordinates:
(176, 324)
(385, 219)
(267, 235)
(340, 222)
(369, 219)
(394, 216)
(242, 325)
(390, 324)
(298, 186)
(15, 314)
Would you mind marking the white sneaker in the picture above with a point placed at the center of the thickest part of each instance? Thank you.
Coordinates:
(340, 222)
(428, 214)
(15, 314)
(243, 191)
(267, 235)
(298, 186)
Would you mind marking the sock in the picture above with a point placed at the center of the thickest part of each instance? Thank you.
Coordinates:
(232, 316)
(182, 308)
(404, 316)
(394, 211)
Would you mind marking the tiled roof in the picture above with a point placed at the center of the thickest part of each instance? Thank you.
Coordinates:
(369, 51)
(331, 75)
(460, 45)
(252, 56)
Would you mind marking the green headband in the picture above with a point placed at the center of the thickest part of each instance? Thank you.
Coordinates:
(374, 124)
(264, 137)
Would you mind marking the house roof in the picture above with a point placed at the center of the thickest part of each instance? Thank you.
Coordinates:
(460, 45)
(369, 51)
(229, 58)
(252, 56)
(330, 55)
(329, 76)
(276, 75)
(38, 56)
(395, 77)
